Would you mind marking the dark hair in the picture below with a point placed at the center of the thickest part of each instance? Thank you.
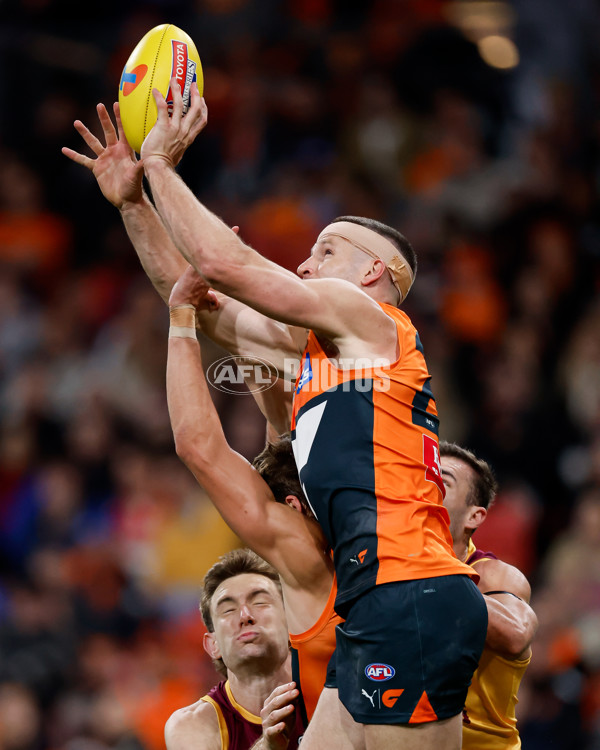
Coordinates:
(277, 466)
(484, 486)
(234, 563)
(395, 237)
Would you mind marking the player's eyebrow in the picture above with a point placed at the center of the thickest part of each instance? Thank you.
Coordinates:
(229, 599)
(225, 600)
(260, 592)
(448, 473)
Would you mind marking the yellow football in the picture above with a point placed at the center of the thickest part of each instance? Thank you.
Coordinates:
(163, 53)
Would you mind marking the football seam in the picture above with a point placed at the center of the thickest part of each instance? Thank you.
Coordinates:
(150, 96)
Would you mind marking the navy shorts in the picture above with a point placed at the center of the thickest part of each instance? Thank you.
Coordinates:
(407, 650)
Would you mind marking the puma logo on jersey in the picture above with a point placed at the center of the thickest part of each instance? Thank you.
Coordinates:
(360, 558)
(370, 697)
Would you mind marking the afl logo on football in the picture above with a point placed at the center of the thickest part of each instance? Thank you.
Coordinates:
(379, 672)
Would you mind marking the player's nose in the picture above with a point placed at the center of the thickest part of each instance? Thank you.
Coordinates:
(246, 614)
(305, 270)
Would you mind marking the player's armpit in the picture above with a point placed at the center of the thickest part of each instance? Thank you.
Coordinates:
(242, 331)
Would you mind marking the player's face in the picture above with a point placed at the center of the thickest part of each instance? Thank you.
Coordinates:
(457, 477)
(249, 622)
(334, 258)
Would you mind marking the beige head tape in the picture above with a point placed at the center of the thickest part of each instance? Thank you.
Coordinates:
(377, 246)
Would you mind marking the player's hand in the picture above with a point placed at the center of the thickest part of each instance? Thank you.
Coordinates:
(116, 168)
(192, 289)
(171, 136)
(278, 717)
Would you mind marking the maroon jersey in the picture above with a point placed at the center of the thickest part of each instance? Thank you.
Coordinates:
(238, 727)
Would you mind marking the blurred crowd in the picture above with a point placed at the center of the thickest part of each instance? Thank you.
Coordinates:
(382, 108)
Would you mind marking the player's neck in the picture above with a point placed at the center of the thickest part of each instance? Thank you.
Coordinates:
(461, 548)
(251, 689)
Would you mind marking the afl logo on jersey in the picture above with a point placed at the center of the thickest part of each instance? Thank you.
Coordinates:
(379, 672)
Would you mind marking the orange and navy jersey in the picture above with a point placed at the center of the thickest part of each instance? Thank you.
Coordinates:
(311, 652)
(367, 451)
(239, 728)
(489, 717)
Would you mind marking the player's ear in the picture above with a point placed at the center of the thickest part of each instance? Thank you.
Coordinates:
(476, 515)
(294, 503)
(376, 270)
(211, 646)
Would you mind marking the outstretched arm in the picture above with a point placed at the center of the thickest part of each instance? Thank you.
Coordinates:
(234, 326)
(335, 307)
(512, 623)
(119, 175)
(281, 535)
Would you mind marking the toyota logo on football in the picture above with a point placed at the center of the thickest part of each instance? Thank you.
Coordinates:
(379, 672)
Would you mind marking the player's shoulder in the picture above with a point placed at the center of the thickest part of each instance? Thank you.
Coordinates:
(497, 575)
(188, 725)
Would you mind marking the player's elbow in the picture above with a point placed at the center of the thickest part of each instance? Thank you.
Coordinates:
(187, 444)
(222, 270)
(520, 636)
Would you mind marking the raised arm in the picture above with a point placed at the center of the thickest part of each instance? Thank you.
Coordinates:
(333, 306)
(281, 535)
(234, 326)
(512, 623)
(119, 176)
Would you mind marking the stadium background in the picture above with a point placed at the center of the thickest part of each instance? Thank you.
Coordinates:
(471, 126)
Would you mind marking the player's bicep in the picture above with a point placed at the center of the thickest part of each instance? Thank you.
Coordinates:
(501, 577)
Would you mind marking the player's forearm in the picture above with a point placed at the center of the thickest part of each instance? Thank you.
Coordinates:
(196, 427)
(201, 237)
(511, 626)
(159, 257)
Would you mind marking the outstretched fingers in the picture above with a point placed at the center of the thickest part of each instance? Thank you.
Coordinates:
(110, 134)
(88, 137)
(78, 158)
(121, 130)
